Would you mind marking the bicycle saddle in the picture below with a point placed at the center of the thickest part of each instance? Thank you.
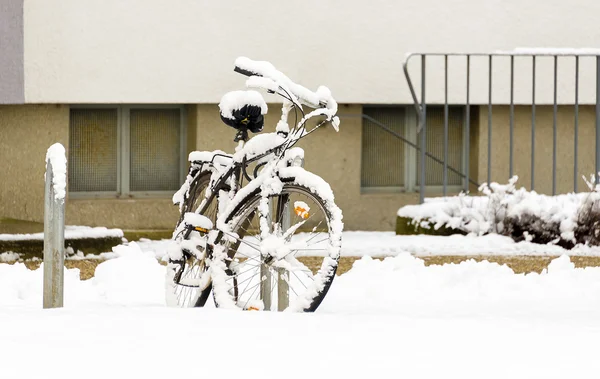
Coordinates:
(243, 110)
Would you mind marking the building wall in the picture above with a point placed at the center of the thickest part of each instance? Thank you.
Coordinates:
(11, 58)
(543, 146)
(26, 132)
(158, 51)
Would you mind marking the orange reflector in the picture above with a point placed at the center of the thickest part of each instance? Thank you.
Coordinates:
(301, 212)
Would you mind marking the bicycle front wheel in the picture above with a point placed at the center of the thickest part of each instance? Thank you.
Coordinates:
(281, 252)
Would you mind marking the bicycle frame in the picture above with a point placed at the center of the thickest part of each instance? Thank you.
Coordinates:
(239, 169)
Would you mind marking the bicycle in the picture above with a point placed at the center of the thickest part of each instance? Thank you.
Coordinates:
(272, 243)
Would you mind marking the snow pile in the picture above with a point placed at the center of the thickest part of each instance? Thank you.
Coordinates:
(9, 256)
(71, 232)
(517, 213)
(398, 284)
(58, 159)
(388, 244)
(134, 278)
(404, 282)
(236, 100)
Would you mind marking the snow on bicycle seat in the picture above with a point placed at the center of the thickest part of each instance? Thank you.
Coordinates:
(217, 157)
(243, 110)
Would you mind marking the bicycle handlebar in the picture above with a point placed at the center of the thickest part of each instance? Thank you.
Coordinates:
(245, 72)
(248, 67)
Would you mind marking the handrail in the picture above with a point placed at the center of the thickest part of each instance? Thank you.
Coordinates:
(420, 104)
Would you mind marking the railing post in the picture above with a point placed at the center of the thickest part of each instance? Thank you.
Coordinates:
(597, 119)
(54, 226)
(423, 129)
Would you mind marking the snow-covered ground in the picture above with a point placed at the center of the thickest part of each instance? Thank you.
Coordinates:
(390, 318)
(358, 244)
(71, 232)
(388, 244)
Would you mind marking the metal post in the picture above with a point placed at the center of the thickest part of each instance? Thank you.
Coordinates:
(597, 119)
(533, 124)
(468, 126)
(283, 288)
(265, 285)
(54, 244)
(576, 131)
(512, 115)
(283, 275)
(489, 157)
(265, 268)
(445, 172)
(554, 116)
(423, 129)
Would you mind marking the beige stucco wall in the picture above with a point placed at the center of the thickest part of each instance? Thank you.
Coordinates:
(543, 146)
(157, 213)
(133, 213)
(26, 132)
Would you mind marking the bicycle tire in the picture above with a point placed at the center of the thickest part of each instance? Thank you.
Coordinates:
(188, 267)
(226, 294)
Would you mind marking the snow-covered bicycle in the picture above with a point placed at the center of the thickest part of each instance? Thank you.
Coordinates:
(269, 240)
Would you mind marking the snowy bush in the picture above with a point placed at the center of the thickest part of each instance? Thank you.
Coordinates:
(587, 230)
(565, 220)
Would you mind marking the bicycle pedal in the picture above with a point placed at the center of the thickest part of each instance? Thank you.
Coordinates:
(197, 222)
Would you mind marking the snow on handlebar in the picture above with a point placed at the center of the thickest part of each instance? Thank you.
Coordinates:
(264, 75)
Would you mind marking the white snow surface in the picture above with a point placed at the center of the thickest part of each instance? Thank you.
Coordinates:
(9, 256)
(394, 318)
(235, 100)
(71, 232)
(58, 159)
(552, 51)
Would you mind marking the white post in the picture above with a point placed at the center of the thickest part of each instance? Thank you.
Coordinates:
(54, 226)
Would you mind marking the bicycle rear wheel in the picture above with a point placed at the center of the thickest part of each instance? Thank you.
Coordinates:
(284, 259)
(187, 281)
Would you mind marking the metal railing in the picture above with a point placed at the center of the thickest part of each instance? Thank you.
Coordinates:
(411, 144)
(508, 94)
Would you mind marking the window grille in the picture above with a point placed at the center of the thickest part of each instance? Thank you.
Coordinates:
(93, 150)
(389, 163)
(125, 150)
(434, 143)
(383, 154)
(155, 138)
